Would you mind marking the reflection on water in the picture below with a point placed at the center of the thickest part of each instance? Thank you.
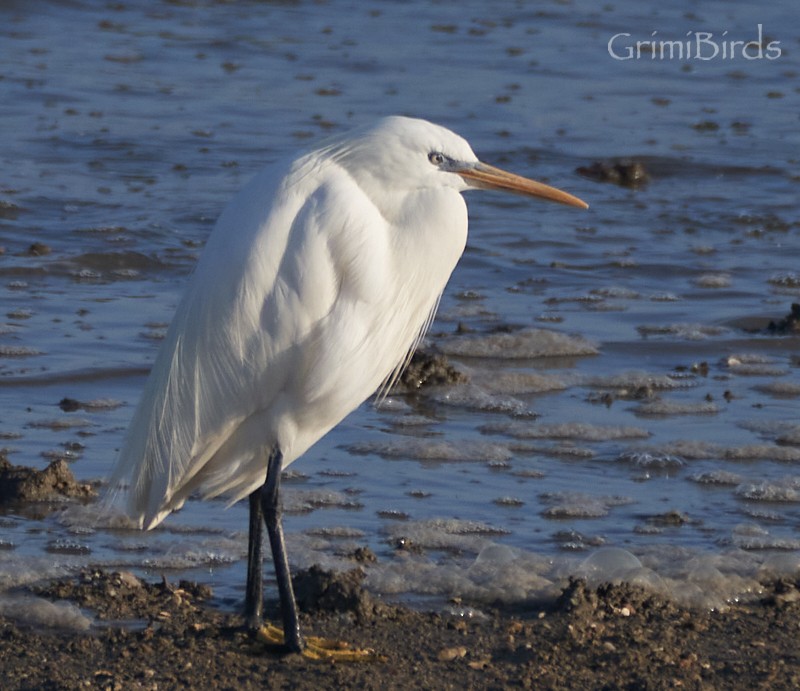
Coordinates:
(624, 390)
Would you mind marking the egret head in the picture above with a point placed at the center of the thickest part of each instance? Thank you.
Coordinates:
(398, 154)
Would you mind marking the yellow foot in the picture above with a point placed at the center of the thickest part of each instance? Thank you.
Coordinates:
(320, 648)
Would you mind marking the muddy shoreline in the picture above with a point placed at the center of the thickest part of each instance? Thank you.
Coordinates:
(163, 635)
(112, 630)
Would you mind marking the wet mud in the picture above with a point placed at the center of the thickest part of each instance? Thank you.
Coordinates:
(56, 483)
(427, 368)
(625, 173)
(156, 635)
(788, 324)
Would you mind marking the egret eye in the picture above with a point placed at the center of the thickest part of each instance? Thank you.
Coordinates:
(436, 158)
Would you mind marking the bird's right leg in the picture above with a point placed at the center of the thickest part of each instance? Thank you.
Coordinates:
(254, 595)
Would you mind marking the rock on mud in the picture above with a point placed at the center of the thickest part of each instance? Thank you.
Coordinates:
(56, 482)
(624, 173)
(319, 590)
(429, 369)
(789, 324)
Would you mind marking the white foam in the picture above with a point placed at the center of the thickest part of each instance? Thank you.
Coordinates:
(336, 532)
(579, 504)
(497, 573)
(790, 436)
(531, 343)
(102, 404)
(777, 565)
(661, 408)
(18, 570)
(511, 574)
(779, 389)
(608, 564)
(686, 331)
(18, 351)
(306, 550)
(38, 612)
(567, 430)
(501, 573)
(304, 500)
(61, 423)
(697, 450)
(516, 383)
(637, 380)
(435, 450)
(787, 279)
(616, 293)
(717, 477)
(91, 517)
(475, 398)
(782, 491)
(765, 370)
(565, 450)
(189, 554)
(651, 461)
(737, 359)
(755, 537)
(410, 421)
(445, 534)
(713, 281)
(754, 365)
(508, 501)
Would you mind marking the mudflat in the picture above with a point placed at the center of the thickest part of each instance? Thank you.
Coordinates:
(163, 635)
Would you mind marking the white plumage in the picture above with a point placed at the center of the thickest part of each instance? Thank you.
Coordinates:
(306, 298)
(316, 283)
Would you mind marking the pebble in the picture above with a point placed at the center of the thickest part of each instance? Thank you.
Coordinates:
(447, 654)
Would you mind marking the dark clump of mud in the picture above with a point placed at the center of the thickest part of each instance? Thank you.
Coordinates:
(38, 249)
(318, 590)
(69, 405)
(609, 637)
(54, 483)
(624, 173)
(429, 369)
(790, 324)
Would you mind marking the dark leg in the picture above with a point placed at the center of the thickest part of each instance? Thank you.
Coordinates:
(271, 507)
(254, 596)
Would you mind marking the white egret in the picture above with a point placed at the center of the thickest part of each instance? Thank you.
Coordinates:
(316, 284)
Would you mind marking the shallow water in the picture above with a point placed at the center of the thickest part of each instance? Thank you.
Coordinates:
(128, 126)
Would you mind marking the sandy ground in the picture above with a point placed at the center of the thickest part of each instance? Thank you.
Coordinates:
(161, 635)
